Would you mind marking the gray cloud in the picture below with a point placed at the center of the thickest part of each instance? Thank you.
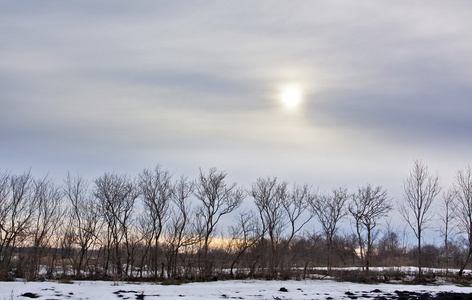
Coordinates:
(92, 85)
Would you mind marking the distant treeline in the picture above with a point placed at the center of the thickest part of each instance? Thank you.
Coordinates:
(156, 226)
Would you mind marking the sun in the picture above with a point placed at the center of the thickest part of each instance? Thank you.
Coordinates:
(291, 96)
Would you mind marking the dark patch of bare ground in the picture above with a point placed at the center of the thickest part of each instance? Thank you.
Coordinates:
(408, 295)
(125, 294)
(30, 295)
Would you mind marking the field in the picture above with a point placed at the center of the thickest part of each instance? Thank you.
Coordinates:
(232, 289)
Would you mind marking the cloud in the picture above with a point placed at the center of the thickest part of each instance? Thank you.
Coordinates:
(197, 82)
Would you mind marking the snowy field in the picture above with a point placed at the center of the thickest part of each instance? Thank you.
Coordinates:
(234, 289)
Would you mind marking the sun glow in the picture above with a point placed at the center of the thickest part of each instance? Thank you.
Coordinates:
(291, 96)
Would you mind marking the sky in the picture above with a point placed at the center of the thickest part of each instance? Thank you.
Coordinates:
(120, 86)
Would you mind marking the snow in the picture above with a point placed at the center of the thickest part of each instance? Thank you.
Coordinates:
(403, 269)
(233, 289)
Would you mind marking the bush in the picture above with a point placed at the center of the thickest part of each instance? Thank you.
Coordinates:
(174, 281)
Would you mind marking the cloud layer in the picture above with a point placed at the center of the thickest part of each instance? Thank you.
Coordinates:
(120, 86)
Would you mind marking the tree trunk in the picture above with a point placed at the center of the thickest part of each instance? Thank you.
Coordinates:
(420, 270)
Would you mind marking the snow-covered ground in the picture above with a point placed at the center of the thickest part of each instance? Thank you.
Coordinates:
(234, 289)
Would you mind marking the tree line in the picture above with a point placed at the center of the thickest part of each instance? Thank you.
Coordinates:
(157, 226)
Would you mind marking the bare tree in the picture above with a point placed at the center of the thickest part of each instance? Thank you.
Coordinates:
(84, 219)
(156, 189)
(283, 213)
(17, 207)
(47, 219)
(463, 192)
(297, 206)
(179, 233)
(144, 236)
(270, 197)
(330, 209)
(116, 195)
(368, 206)
(390, 248)
(244, 235)
(420, 188)
(217, 199)
(447, 216)
(136, 248)
(298, 214)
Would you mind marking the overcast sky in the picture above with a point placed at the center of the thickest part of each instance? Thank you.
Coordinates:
(100, 86)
